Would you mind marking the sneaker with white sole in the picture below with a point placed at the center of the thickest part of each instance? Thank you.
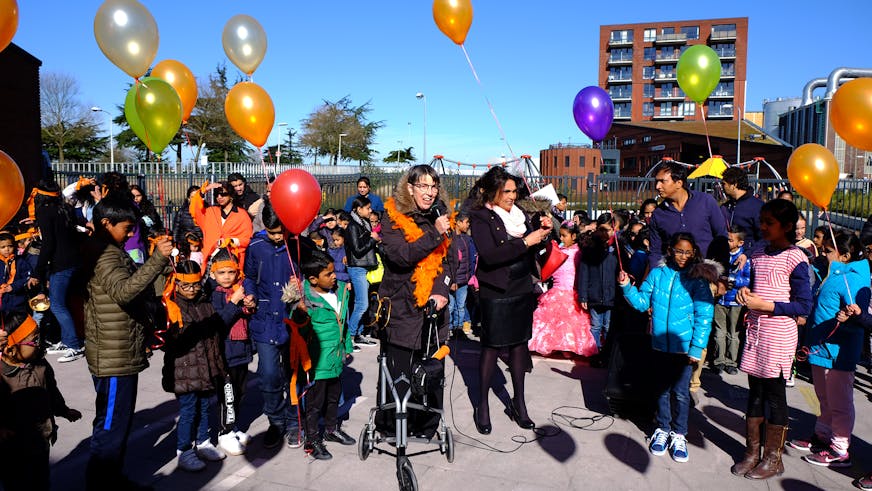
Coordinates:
(72, 355)
(230, 444)
(829, 458)
(678, 447)
(295, 438)
(659, 441)
(207, 451)
(188, 461)
(243, 437)
(56, 349)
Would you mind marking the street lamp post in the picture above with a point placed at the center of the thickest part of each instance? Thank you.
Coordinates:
(111, 144)
(738, 131)
(339, 158)
(279, 147)
(399, 146)
(422, 97)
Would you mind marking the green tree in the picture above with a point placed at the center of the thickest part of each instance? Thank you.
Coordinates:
(208, 124)
(69, 127)
(322, 128)
(401, 156)
(291, 153)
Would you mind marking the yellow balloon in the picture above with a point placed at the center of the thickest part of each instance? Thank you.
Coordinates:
(814, 173)
(127, 34)
(8, 22)
(851, 113)
(453, 18)
(180, 77)
(250, 112)
(11, 187)
(244, 42)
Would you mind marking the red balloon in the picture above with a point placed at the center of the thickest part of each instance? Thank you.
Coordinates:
(296, 198)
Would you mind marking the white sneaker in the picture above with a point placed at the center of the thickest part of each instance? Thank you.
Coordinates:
(56, 349)
(230, 444)
(207, 451)
(791, 382)
(243, 437)
(72, 355)
(188, 461)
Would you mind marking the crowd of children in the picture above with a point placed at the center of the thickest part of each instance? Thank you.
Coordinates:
(215, 292)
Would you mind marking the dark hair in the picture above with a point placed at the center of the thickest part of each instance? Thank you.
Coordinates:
(329, 211)
(187, 267)
(50, 187)
(736, 177)
(822, 229)
(739, 232)
(604, 219)
(236, 176)
(623, 215)
(846, 243)
(676, 171)
(785, 213)
(114, 208)
(190, 190)
(337, 231)
(13, 320)
(783, 192)
(569, 227)
(638, 241)
(115, 183)
(491, 183)
(137, 188)
(649, 201)
(268, 215)
(363, 179)
(360, 202)
(224, 254)
(225, 187)
(561, 197)
(344, 216)
(375, 214)
(315, 264)
(418, 171)
(678, 237)
(7, 236)
(461, 215)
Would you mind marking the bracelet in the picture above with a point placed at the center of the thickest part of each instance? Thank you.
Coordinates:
(524, 240)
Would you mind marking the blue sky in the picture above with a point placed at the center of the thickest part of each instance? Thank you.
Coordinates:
(532, 57)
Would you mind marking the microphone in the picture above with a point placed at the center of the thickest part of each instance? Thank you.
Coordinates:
(439, 208)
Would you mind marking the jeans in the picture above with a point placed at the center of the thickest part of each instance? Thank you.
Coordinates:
(360, 287)
(58, 284)
(272, 370)
(599, 324)
(457, 306)
(671, 374)
(193, 416)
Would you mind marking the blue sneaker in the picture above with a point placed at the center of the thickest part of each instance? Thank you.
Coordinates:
(658, 442)
(678, 446)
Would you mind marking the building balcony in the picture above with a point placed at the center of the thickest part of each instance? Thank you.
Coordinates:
(726, 54)
(725, 94)
(671, 59)
(668, 115)
(724, 35)
(680, 38)
(621, 98)
(722, 114)
(620, 42)
(620, 80)
(620, 60)
(675, 95)
(665, 77)
(728, 75)
(622, 117)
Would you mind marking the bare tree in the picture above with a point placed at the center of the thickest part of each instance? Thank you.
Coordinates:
(66, 121)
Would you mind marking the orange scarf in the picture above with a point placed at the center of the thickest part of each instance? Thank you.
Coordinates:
(174, 314)
(299, 358)
(9, 261)
(429, 267)
(31, 205)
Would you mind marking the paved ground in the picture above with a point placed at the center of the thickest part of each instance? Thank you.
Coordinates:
(595, 451)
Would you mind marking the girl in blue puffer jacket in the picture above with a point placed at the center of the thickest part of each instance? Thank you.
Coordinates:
(680, 297)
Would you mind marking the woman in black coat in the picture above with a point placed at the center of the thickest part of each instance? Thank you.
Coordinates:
(507, 247)
(184, 222)
(360, 246)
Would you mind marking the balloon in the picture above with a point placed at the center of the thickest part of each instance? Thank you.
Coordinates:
(11, 188)
(851, 113)
(180, 77)
(154, 112)
(8, 22)
(244, 42)
(593, 111)
(453, 17)
(296, 198)
(698, 72)
(127, 35)
(814, 173)
(250, 112)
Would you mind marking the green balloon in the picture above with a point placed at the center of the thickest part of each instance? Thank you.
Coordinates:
(154, 112)
(699, 71)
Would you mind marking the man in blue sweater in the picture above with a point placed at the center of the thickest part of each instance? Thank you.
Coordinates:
(742, 210)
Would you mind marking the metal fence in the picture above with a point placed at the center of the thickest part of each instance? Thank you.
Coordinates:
(166, 186)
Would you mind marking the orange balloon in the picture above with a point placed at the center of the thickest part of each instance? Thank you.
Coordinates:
(453, 17)
(180, 77)
(11, 188)
(814, 173)
(250, 112)
(8, 22)
(851, 113)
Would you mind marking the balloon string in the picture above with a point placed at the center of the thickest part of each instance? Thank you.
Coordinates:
(833, 237)
(705, 126)
(489, 105)
(188, 139)
(263, 165)
(144, 128)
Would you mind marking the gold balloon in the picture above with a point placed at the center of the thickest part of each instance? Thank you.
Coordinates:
(814, 173)
(851, 113)
(11, 188)
(250, 112)
(244, 42)
(453, 18)
(180, 77)
(8, 22)
(127, 34)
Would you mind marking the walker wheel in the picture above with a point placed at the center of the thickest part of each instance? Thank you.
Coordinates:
(364, 443)
(406, 475)
(449, 445)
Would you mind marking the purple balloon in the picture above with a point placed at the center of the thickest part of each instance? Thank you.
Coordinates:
(593, 111)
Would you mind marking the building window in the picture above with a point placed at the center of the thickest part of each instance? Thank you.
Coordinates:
(647, 138)
(648, 90)
(716, 108)
(668, 53)
(723, 89)
(692, 32)
(687, 109)
(648, 109)
(648, 72)
(623, 110)
(725, 50)
(622, 36)
(629, 142)
(650, 53)
(555, 163)
(621, 54)
(668, 30)
(620, 73)
(666, 109)
(667, 71)
(621, 91)
(581, 161)
(728, 69)
(566, 161)
(610, 166)
(650, 35)
(724, 28)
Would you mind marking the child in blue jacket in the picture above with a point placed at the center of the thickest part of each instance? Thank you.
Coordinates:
(728, 312)
(680, 297)
(14, 275)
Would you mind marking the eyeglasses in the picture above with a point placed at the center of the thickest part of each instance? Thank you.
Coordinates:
(679, 252)
(223, 193)
(425, 188)
(189, 287)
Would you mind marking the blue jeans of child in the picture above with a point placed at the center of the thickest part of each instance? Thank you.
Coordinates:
(672, 377)
(272, 370)
(58, 284)
(457, 306)
(193, 427)
(361, 299)
(600, 317)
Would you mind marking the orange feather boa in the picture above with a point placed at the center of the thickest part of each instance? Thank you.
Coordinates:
(429, 267)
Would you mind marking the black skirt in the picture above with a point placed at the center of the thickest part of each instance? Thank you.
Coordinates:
(506, 321)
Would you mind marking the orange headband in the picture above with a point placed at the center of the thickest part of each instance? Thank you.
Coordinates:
(187, 277)
(31, 206)
(224, 264)
(25, 329)
(31, 232)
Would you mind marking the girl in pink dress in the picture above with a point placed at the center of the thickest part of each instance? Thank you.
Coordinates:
(559, 322)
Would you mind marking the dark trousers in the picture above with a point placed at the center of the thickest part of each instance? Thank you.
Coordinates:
(237, 376)
(767, 392)
(115, 405)
(400, 362)
(322, 400)
(25, 469)
(273, 368)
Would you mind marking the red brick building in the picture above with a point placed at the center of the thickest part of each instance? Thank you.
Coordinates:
(637, 67)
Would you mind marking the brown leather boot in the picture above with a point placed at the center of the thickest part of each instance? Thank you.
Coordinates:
(771, 464)
(752, 447)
